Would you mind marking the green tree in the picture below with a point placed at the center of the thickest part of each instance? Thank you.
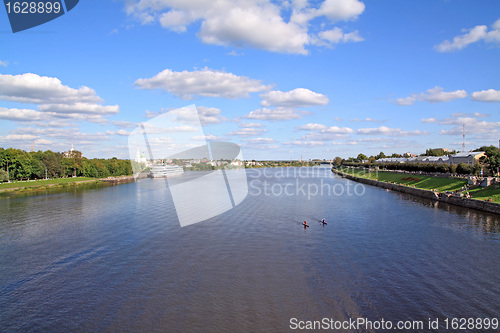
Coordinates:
(361, 157)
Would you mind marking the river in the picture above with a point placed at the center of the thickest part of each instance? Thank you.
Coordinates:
(115, 258)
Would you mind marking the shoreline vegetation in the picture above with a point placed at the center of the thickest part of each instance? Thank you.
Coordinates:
(45, 184)
(450, 190)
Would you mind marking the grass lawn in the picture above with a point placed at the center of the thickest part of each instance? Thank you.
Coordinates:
(423, 182)
(427, 182)
(482, 193)
(37, 183)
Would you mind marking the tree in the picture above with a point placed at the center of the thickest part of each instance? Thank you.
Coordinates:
(337, 161)
(464, 169)
(380, 155)
(492, 159)
(361, 157)
(3, 176)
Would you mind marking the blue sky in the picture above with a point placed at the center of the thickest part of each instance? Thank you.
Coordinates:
(283, 79)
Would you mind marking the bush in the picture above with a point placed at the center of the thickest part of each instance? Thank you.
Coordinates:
(464, 169)
(3, 176)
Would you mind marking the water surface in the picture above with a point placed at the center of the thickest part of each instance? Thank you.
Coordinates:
(116, 259)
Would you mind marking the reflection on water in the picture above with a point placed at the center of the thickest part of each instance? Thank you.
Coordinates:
(116, 258)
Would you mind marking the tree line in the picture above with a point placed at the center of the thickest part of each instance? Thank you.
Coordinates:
(17, 164)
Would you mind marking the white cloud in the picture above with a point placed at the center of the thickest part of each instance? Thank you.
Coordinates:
(429, 120)
(205, 82)
(434, 95)
(474, 114)
(305, 143)
(337, 35)
(478, 33)
(473, 126)
(410, 100)
(312, 127)
(210, 115)
(241, 23)
(369, 120)
(247, 132)
(124, 123)
(324, 136)
(250, 125)
(437, 94)
(489, 95)
(120, 132)
(80, 108)
(66, 134)
(261, 141)
(54, 98)
(298, 97)
(4, 63)
(235, 54)
(32, 88)
(383, 130)
(320, 132)
(208, 137)
(18, 137)
(20, 114)
(273, 114)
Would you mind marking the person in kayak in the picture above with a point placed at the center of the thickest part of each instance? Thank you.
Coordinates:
(323, 221)
(305, 224)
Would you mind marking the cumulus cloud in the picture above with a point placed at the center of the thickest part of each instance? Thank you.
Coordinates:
(473, 126)
(241, 23)
(206, 115)
(337, 35)
(32, 88)
(120, 132)
(429, 120)
(273, 114)
(250, 125)
(53, 98)
(247, 132)
(305, 143)
(261, 141)
(474, 114)
(470, 36)
(320, 132)
(298, 97)
(80, 108)
(312, 127)
(434, 95)
(20, 114)
(208, 137)
(205, 82)
(65, 134)
(489, 95)
(384, 130)
(369, 120)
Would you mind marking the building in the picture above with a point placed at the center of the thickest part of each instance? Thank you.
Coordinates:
(72, 153)
(470, 158)
(141, 159)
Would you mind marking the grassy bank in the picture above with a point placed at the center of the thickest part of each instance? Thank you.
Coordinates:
(40, 184)
(427, 183)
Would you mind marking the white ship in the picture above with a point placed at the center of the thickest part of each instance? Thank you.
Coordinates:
(162, 171)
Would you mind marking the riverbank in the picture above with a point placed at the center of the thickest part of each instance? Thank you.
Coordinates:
(447, 196)
(44, 184)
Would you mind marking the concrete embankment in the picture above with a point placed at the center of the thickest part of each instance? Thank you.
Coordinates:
(486, 206)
